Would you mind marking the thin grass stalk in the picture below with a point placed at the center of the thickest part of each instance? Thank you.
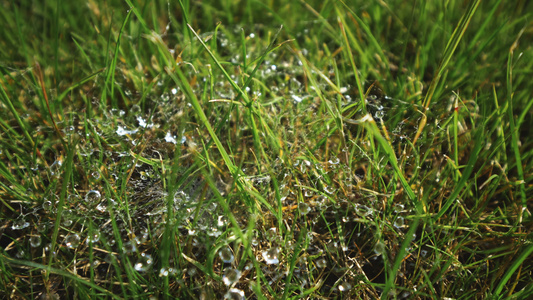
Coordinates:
(453, 42)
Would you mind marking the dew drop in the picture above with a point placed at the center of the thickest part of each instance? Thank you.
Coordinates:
(345, 286)
(297, 99)
(20, 254)
(399, 222)
(164, 272)
(19, 224)
(398, 208)
(424, 253)
(379, 248)
(321, 263)
(101, 207)
(35, 241)
(271, 255)
(121, 131)
(226, 255)
(271, 234)
(54, 168)
(135, 109)
(129, 247)
(234, 294)
(192, 272)
(142, 123)
(110, 258)
(92, 196)
(47, 205)
(42, 227)
(169, 138)
(67, 217)
(329, 190)
(222, 221)
(72, 240)
(363, 210)
(248, 266)
(231, 276)
(214, 232)
(334, 161)
(93, 238)
(144, 262)
(304, 208)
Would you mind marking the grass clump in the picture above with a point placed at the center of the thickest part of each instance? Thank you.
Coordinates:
(257, 149)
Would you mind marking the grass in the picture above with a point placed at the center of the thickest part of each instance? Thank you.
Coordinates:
(266, 149)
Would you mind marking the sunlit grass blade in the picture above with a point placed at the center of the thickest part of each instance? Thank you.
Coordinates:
(465, 176)
(514, 134)
(453, 42)
(221, 68)
(9, 104)
(528, 251)
(110, 70)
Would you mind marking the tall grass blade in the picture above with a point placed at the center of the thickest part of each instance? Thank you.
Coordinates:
(454, 41)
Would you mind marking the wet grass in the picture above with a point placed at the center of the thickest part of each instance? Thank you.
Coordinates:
(266, 149)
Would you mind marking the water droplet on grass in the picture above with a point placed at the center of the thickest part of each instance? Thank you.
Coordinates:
(129, 247)
(329, 190)
(399, 222)
(231, 276)
(72, 240)
(67, 217)
(35, 241)
(321, 263)
(234, 294)
(222, 221)
(122, 131)
(20, 253)
(142, 123)
(379, 248)
(163, 272)
(271, 256)
(42, 227)
(304, 208)
(101, 207)
(226, 255)
(297, 99)
(144, 262)
(93, 238)
(271, 234)
(92, 196)
(169, 138)
(47, 205)
(363, 210)
(398, 207)
(110, 258)
(55, 167)
(345, 286)
(424, 253)
(19, 224)
(334, 161)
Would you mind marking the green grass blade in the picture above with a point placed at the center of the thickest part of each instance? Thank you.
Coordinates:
(453, 42)
(509, 273)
